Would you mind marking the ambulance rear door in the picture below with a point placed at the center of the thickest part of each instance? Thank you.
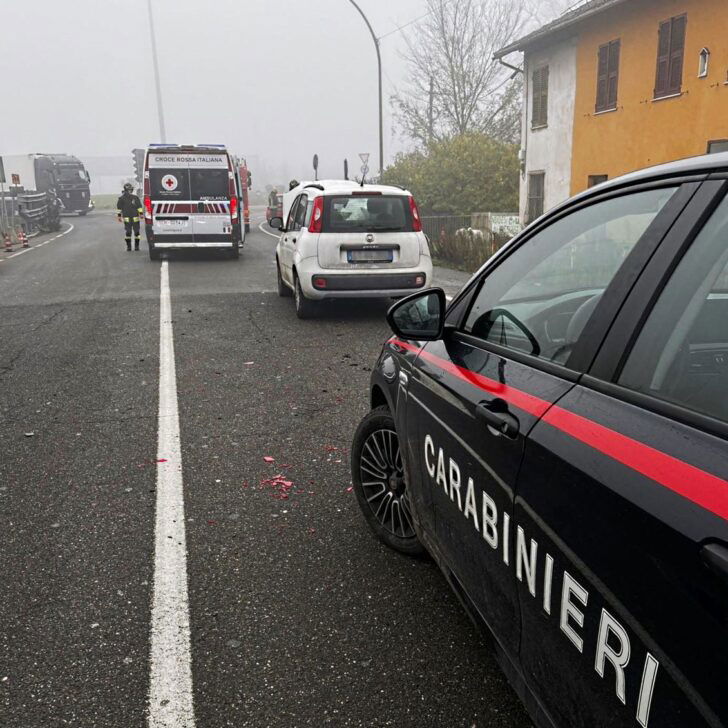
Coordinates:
(169, 186)
(210, 176)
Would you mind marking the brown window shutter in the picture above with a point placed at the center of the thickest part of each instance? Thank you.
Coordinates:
(663, 59)
(677, 52)
(602, 77)
(613, 74)
(545, 95)
(537, 94)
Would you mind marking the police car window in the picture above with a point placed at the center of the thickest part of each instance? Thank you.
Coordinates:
(539, 299)
(681, 354)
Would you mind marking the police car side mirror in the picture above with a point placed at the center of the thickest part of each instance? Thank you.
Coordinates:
(420, 317)
(276, 223)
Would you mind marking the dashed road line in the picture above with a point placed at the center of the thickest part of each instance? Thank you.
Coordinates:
(40, 245)
(170, 683)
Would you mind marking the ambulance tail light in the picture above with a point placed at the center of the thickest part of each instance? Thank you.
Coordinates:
(317, 215)
(233, 195)
(416, 222)
(147, 209)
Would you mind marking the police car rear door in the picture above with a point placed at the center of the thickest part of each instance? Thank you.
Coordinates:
(477, 394)
(624, 491)
(169, 186)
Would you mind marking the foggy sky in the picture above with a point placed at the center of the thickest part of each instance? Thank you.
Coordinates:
(279, 80)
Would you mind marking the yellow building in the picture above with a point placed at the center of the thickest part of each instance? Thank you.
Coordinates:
(627, 84)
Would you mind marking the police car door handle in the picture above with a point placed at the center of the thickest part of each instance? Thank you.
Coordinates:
(497, 418)
(715, 557)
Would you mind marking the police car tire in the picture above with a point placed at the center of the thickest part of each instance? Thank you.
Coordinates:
(379, 418)
(283, 290)
(305, 307)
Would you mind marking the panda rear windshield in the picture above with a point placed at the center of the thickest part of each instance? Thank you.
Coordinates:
(361, 213)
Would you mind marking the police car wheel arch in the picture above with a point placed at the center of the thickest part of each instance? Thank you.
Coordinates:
(378, 476)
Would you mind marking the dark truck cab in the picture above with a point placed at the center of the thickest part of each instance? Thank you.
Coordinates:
(68, 176)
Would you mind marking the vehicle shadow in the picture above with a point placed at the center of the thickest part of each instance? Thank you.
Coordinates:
(363, 309)
(196, 255)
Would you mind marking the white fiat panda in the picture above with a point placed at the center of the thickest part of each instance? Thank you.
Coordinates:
(341, 239)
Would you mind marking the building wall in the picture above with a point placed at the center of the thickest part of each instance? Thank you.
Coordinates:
(642, 132)
(549, 149)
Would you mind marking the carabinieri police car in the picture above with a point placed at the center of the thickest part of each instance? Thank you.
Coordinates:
(556, 439)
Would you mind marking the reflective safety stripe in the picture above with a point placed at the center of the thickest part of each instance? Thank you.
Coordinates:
(703, 488)
(127, 219)
(135, 219)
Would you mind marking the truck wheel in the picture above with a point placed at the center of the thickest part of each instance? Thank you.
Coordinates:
(235, 253)
(84, 213)
(153, 253)
(283, 290)
(305, 307)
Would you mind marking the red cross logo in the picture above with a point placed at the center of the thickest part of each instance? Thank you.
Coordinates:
(169, 182)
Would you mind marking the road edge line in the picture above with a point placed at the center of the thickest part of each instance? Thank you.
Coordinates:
(170, 702)
(273, 235)
(39, 245)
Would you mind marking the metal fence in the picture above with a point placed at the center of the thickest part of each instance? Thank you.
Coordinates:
(466, 241)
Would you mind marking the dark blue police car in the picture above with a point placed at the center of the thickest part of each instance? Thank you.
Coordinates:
(556, 439)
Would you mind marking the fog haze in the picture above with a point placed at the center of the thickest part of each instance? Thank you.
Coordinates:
(276, 81)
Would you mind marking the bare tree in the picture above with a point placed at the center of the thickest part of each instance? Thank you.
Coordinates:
(454, 85)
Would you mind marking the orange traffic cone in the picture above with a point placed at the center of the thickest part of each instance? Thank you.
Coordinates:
(23, 238)
(8, 243)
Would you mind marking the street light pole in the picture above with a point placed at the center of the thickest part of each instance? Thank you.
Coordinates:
(160, 111)
(379, 68)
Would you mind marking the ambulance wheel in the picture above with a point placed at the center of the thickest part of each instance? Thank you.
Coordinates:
(283, 290)
(305, 307)
(380, 486)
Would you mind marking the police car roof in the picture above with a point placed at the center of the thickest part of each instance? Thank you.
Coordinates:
(703, 164)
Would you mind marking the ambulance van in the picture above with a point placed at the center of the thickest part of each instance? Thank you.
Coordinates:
(191, 199)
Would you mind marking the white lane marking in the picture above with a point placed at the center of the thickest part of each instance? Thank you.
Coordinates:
(260, 227)
(40, 245)
(170, 682)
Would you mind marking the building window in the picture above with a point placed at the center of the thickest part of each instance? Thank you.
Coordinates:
(717, 145)
(535, 195)
(540, 97)
(597, 179)
(670, 53)
(703, 63)
(607, 76)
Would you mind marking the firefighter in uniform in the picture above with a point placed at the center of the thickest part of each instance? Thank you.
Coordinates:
(130, 210)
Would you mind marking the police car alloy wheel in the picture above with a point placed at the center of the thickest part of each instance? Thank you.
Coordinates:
(283, 290)
(379, 482)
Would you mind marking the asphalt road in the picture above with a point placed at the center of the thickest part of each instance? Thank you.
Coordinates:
(298, 617)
